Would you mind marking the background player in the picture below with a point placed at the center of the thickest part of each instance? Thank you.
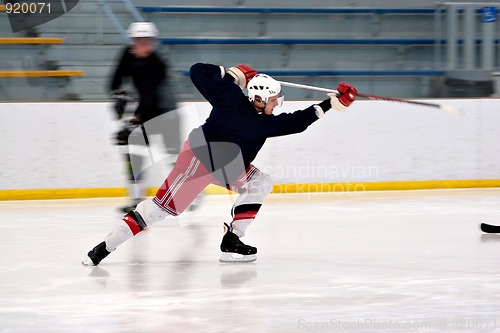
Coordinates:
(221, 151)
(148, 71)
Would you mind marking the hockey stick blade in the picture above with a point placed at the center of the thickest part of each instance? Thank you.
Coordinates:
(450, 109)
(490, 229)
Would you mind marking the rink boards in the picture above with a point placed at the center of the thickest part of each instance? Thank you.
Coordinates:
(66, 150)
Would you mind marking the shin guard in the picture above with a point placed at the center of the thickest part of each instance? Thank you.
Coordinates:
(124, 231)
(135, 222)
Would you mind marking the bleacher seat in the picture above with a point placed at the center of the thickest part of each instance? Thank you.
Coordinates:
(50, 73)
(28, 54)
(30, 40)
(388, 46)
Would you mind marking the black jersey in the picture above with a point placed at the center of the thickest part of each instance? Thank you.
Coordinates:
(234, 119)
(149, 77)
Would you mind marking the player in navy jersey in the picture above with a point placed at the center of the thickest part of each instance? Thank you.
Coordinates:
(221, 152)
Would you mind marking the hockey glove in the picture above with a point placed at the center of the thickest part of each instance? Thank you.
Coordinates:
(242, 74)
(347, 94)
(121, 97)
(123, 134)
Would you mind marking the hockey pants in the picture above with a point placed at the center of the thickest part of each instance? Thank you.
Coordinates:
(188, 178)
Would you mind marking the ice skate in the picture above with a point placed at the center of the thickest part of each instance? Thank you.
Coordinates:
(234, 250)
(95, 255)
(131, 206)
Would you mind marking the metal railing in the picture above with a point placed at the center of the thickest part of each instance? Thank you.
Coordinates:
(106, 9)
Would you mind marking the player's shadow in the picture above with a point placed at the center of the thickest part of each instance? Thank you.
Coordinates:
(485, 238)
(235, 275)
(101, 275)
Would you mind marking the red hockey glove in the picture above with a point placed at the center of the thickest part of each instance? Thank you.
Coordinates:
(242, 74)
(347, 94)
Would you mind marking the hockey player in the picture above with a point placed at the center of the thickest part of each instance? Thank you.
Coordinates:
(221, 152)
(149, 75)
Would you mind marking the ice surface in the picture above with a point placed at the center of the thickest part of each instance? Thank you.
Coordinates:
(357, 262)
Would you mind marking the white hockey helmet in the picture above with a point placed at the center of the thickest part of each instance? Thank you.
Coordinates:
(142, 30)
(264, 86)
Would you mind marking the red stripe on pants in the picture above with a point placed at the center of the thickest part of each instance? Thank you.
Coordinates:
(181, 180)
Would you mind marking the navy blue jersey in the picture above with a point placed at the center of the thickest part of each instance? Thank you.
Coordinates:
(234, 119)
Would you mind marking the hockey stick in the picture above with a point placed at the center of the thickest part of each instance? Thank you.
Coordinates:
(443, 107)
(146, 140)
(490, 229)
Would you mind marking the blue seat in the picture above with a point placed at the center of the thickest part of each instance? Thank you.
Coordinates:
(291, 41)
(166, 9)
(346, 72)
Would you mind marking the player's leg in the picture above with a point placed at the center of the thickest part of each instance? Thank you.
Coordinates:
(253, 188)
(136, 191)
(184, 183)
(170, 131)
(131, 139)
(169, 127)
(129, 226)
(188, 178)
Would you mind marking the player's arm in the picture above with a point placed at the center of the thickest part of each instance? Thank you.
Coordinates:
(298, 121)
(119, 95)
(122, 70)
(218, 84)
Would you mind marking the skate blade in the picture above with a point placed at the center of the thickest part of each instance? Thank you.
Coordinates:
(235, 257)
(87, 262)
